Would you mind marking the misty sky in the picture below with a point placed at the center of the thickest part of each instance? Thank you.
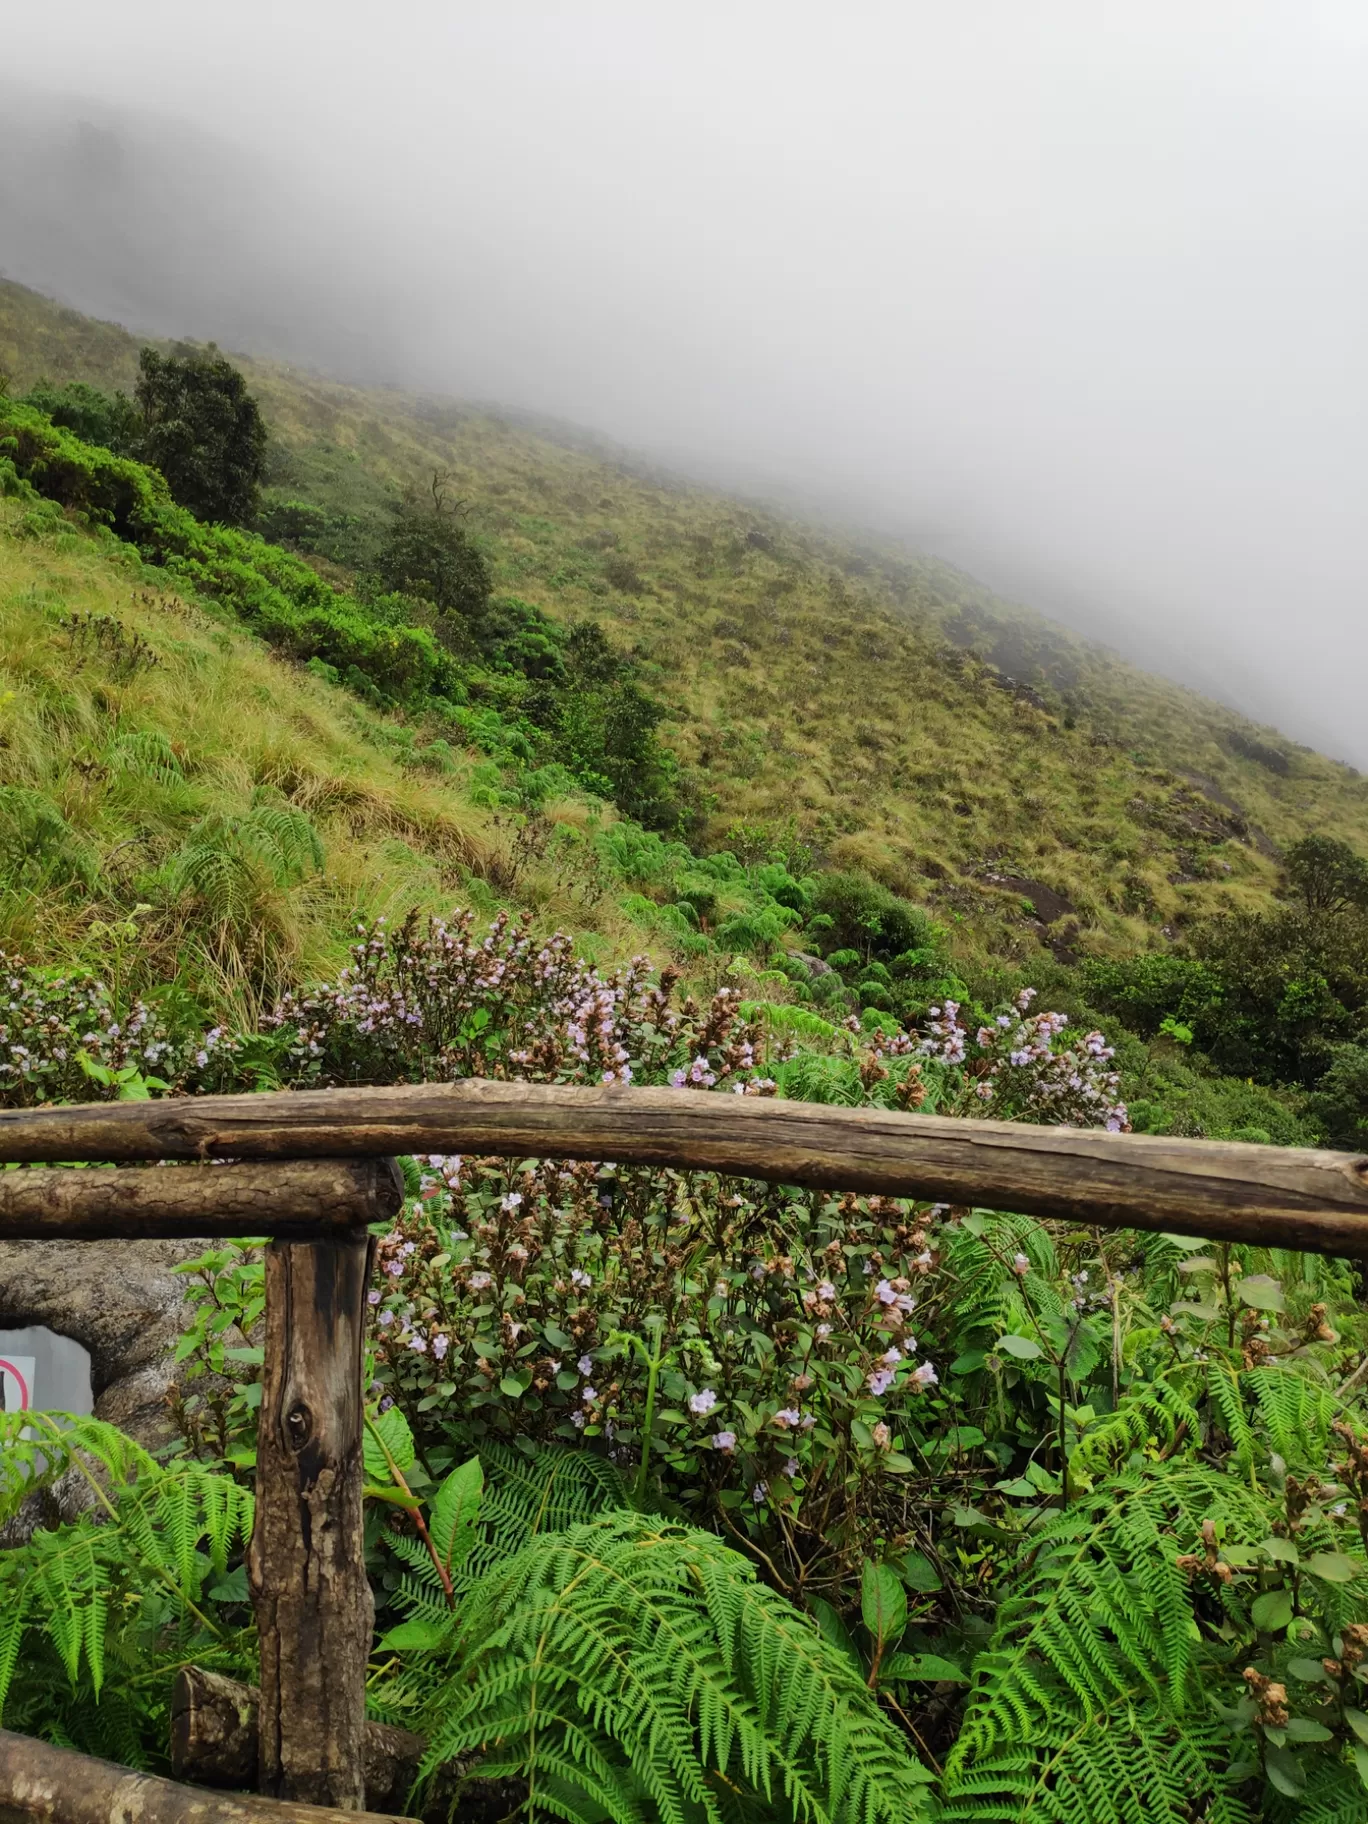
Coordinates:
(1071, 294)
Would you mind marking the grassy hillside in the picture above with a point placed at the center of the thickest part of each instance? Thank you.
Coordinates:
(141, 729)
(888, 712)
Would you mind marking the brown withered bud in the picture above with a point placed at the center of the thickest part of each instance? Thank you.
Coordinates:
(1256, 1352)
(1353, 1643)
(910, 1093)
(1270, 1697)
(1208, 1560)
(1298, 1496)
(1317, 1329)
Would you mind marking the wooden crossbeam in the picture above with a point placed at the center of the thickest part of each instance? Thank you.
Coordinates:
(1279, 1196)
(290, 1198)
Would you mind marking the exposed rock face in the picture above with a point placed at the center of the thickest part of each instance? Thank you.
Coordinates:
(122, 1301)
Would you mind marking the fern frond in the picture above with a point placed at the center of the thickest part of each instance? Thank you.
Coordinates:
(1153, 1412)
(1090, 1702)
(58, 1442)
(1296, 1413)
(636, 1666)
(147, 754)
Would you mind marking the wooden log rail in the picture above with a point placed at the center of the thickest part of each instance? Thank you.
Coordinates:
(56, 1786)
(1277, 1196)
(296, 1197)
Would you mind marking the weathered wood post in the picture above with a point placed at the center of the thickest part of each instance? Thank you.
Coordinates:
(306, 1566)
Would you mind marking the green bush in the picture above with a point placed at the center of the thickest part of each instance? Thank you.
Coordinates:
(867, 917)
(204, 431)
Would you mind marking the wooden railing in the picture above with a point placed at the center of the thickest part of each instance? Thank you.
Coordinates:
(313, 1170)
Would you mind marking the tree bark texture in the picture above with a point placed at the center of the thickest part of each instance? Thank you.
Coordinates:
(214, 1730)
(1288, 1197)
(55, 1786)
(306, 1565)
(289, 1197)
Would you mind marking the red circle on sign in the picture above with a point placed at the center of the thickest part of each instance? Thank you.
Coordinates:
(9, 1368)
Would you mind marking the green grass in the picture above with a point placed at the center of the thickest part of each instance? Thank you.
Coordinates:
(860, 698)
(137, 743)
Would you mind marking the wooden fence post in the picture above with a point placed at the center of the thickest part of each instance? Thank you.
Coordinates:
(306, 1565)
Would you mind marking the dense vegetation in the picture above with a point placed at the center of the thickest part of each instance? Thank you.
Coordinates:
(888, 1510)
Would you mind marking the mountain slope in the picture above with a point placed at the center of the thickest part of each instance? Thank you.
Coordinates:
(885, 711)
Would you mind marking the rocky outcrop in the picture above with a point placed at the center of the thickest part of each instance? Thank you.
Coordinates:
(121, 1301)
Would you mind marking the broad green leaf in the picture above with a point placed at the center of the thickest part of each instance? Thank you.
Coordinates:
(1310, 1672)
(918, 1573)
(232, 1588)
(1303, 1729)
(1261, 1293)
(1199, 1263)
(1282, 1549)
(1271, 1612)
(511, 1387)
(393, 1428)
(969, 1363)
(963, 1437)
(1358, 1722)
(414, 1636)
(1361, 1761)
(375, 1491)
(1334, 1567)
(883, 1601)
(455, 1508)
(834, 1631)
(930, 1668)
(1284, 1772)
(1018, 1486)
(1020, 1346)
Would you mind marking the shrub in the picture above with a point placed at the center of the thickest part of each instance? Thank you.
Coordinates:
(429, 554)
(866, 917)
(108, 419)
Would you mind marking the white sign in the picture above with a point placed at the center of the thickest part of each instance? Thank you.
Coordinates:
(16, 1383)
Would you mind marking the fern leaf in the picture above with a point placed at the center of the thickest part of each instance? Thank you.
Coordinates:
(637, 1666)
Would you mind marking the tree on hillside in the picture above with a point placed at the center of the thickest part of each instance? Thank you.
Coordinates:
(428, 554)
(1328, 874)
(204, 431)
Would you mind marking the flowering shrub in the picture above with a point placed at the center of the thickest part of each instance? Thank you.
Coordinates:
(755, 1347)
(1025, 1067)
(50, 1022)
(435, 1000)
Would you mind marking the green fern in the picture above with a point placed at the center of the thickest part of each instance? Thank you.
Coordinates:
(633, 1669)
(146, 754)
(1156, 1412)
(152, 1536)
(1296, 1412)
(226, 861)
(525, 1493)
(1091, 1702)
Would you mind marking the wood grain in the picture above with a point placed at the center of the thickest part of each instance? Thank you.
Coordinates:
(56, 1786)
(1286, 1196)
(306, 1564)
(214, 1729)
(291, 1197)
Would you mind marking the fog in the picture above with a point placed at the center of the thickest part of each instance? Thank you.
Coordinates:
(1072, 295)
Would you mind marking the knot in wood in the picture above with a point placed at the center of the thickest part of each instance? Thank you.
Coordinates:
(298, 1425)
